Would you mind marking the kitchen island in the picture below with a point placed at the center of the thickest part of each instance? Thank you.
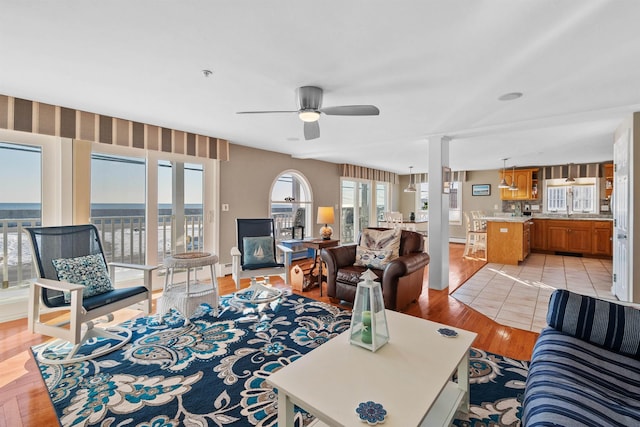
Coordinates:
(508, 239)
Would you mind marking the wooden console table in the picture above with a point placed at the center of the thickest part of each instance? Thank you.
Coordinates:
(317, 245)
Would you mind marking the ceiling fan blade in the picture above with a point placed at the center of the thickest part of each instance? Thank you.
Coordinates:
(262, 112)
(351, 110)
(311, 130)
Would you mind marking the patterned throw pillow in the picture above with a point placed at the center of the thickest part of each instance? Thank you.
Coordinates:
(372, 258)
(88, 271)
(378, 247)
(258, 251)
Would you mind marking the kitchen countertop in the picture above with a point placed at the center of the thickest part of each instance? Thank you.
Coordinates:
(576, 217)
(506, 218)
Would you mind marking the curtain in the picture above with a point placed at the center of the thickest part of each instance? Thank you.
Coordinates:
(361, 172)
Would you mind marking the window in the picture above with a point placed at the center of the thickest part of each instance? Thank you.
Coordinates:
(291, 206)
(118, 205)
(358, 210)
(455, 202)
(382, 199)
(578, 197)
(20, 206)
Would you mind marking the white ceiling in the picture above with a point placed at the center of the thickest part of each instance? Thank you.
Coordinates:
(433, 67)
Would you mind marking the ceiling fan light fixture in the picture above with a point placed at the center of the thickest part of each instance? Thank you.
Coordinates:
(309, 115)
(510, 96)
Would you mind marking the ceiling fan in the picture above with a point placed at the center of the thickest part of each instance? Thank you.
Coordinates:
(310, 103)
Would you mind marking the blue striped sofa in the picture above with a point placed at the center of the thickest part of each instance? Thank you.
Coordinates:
(585, 367)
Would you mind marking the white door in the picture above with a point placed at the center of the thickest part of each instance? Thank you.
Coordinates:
(621, 249)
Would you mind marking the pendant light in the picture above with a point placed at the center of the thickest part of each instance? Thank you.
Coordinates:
(569, 177)
(411, 188)
(513, 186)
(503, 182)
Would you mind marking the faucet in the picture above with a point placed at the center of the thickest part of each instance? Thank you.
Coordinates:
(518, 211)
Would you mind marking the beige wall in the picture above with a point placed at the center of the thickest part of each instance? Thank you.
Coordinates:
(245, 185)
(469, 202)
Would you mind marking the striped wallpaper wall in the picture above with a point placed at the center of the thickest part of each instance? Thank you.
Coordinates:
(36, 117)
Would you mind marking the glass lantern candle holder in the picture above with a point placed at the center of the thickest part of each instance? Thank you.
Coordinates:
(368, 319)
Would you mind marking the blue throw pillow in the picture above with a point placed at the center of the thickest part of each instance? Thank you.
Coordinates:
(88, 271)
(258, 251)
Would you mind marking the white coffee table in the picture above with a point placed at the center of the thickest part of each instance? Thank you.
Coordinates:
(410, 376)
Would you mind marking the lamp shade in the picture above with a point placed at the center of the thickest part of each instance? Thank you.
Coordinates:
(325, 215)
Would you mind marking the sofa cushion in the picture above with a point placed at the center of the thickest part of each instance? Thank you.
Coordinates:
(351, 274)
(378, 247)
(571, 382)
(609, 325)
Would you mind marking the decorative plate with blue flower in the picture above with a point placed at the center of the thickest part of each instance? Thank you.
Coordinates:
(371, 413)
(446, 332)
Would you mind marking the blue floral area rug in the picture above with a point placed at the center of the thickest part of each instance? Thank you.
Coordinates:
(212, 371)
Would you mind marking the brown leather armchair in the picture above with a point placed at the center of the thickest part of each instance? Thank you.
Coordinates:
(401, 279)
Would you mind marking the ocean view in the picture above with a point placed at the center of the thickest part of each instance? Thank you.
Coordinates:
(32, 210)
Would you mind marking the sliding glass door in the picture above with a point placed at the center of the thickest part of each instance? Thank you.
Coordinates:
(356, 208)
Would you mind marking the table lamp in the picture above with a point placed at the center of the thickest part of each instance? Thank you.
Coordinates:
(326, 217)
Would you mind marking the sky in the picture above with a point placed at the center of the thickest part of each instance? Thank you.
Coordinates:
(112, 182)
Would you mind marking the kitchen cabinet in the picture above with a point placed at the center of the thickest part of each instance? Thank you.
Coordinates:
(602, 238)
(526, 239)
(527, 182)
(569, 236)
(538, 232)
(586, 237)
(508, 241)
(608, 180)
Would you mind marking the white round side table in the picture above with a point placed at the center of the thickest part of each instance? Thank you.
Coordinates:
(186, 297)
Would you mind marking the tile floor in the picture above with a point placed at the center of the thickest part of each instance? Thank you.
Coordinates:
(518, 296)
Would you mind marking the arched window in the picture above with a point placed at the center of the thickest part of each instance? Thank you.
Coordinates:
(292, 206)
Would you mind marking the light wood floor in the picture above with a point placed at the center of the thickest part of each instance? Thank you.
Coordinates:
(24, 400)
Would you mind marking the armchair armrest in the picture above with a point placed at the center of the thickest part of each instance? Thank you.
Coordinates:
(56, 285)
(339, 256)
(76, 309)
(406, 264)
(134, 266)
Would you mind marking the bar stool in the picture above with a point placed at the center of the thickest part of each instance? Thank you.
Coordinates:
(476, 240)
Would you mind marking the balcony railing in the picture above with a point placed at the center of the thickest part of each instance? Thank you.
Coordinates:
(16, 260)
(123, 240)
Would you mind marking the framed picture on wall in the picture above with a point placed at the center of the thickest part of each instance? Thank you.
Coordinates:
(481, 189)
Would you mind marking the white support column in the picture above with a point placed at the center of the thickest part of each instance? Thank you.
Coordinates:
(438, 149)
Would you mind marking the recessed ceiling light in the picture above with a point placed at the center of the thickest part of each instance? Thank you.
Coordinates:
(293, 138)
(510, 96)
(207, 73)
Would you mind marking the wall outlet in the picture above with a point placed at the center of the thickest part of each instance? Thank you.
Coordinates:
(225, 207)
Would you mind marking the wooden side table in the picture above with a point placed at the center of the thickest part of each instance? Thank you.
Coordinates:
(317, 245)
